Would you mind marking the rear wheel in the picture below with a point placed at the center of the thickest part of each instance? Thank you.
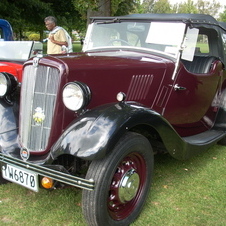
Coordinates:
(122, 181)
(222, 141)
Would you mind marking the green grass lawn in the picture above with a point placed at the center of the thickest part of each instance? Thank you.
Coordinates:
(204, 47)
(188, 193)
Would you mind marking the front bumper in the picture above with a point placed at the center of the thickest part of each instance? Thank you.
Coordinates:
(48, 172)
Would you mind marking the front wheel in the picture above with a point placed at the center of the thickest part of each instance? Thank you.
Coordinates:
(2, 180)
(122, 181)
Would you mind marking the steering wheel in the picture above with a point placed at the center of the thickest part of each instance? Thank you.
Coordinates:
(118, 40)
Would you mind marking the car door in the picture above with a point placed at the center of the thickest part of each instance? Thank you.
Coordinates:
(193, 101)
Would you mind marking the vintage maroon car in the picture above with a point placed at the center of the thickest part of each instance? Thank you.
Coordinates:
(143, 84)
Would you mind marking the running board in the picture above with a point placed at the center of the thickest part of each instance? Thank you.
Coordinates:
(206, 137)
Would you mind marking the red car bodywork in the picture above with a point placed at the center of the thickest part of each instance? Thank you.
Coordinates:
(12, 68)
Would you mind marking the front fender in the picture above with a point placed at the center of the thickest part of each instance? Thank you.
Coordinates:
(95, 133)
(8, 125)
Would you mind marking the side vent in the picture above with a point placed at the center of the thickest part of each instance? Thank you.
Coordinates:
(139, 87)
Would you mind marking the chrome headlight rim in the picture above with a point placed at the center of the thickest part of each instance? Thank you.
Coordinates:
(76, 95)
(8, 84)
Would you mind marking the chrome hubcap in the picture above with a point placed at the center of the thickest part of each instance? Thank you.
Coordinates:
(128, 186)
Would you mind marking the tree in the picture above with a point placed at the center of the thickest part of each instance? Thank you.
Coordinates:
(162, 6)
(223, 15)
(147, 6)
(29, 14)
(66, 14)
(90, 8)
(187, 7)
(24, 15)
(123, 7)
(159, 6)
(190, 6)
(101, 8)
(208, 7)
(202, 6)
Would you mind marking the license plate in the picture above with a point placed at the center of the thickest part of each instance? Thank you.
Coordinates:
(20, 176)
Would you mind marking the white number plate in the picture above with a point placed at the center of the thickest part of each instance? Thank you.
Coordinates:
(20, 176)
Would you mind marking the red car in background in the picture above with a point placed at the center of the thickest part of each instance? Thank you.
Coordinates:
(12, 68)
(14, 53)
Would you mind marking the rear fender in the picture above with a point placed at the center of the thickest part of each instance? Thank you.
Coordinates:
(95, 133)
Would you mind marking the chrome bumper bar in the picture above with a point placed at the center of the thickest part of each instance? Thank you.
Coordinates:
(54, 174)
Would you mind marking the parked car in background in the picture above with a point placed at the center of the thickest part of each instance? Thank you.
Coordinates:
(14, 53)
(143, 84)
(6, 32)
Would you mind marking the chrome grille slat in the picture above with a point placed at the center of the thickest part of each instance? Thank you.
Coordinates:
(39, 90)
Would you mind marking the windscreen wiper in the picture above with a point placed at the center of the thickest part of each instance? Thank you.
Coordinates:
(115, 20)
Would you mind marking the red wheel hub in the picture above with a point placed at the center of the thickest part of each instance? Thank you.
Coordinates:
(126, 186)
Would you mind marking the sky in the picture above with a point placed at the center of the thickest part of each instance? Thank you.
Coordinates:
(178, 1)
(222, 2)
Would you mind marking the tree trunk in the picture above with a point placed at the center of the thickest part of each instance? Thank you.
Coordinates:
(41, 35)
(103, 9)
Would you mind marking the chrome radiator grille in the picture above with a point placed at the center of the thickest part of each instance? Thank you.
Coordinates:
(38, 99)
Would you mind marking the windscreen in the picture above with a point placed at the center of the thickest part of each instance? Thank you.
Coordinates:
(164, 37)
(19, 50)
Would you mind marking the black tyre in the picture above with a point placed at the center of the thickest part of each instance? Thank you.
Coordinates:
(122, 181)
(2, 180)
(222, 141)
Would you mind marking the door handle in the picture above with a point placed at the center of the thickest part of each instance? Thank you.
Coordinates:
(177, 87)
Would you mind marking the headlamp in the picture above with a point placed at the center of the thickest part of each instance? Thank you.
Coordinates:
(76, 95)
(8, 84)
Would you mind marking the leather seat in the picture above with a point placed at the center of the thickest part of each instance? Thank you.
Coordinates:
(200, 64)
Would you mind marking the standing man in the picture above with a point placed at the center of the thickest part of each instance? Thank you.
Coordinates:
(59, 41)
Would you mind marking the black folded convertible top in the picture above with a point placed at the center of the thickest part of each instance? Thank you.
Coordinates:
(186, 18)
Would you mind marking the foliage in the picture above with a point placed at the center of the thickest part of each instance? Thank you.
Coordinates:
(82, 6)
(24, 15)
(66, 14)
(34, 37)
(189, 6)
(161, 6)
(117, 7)
(125, 7)
(222, 16)
(208, 7)
(147, 6)
(29, 14)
